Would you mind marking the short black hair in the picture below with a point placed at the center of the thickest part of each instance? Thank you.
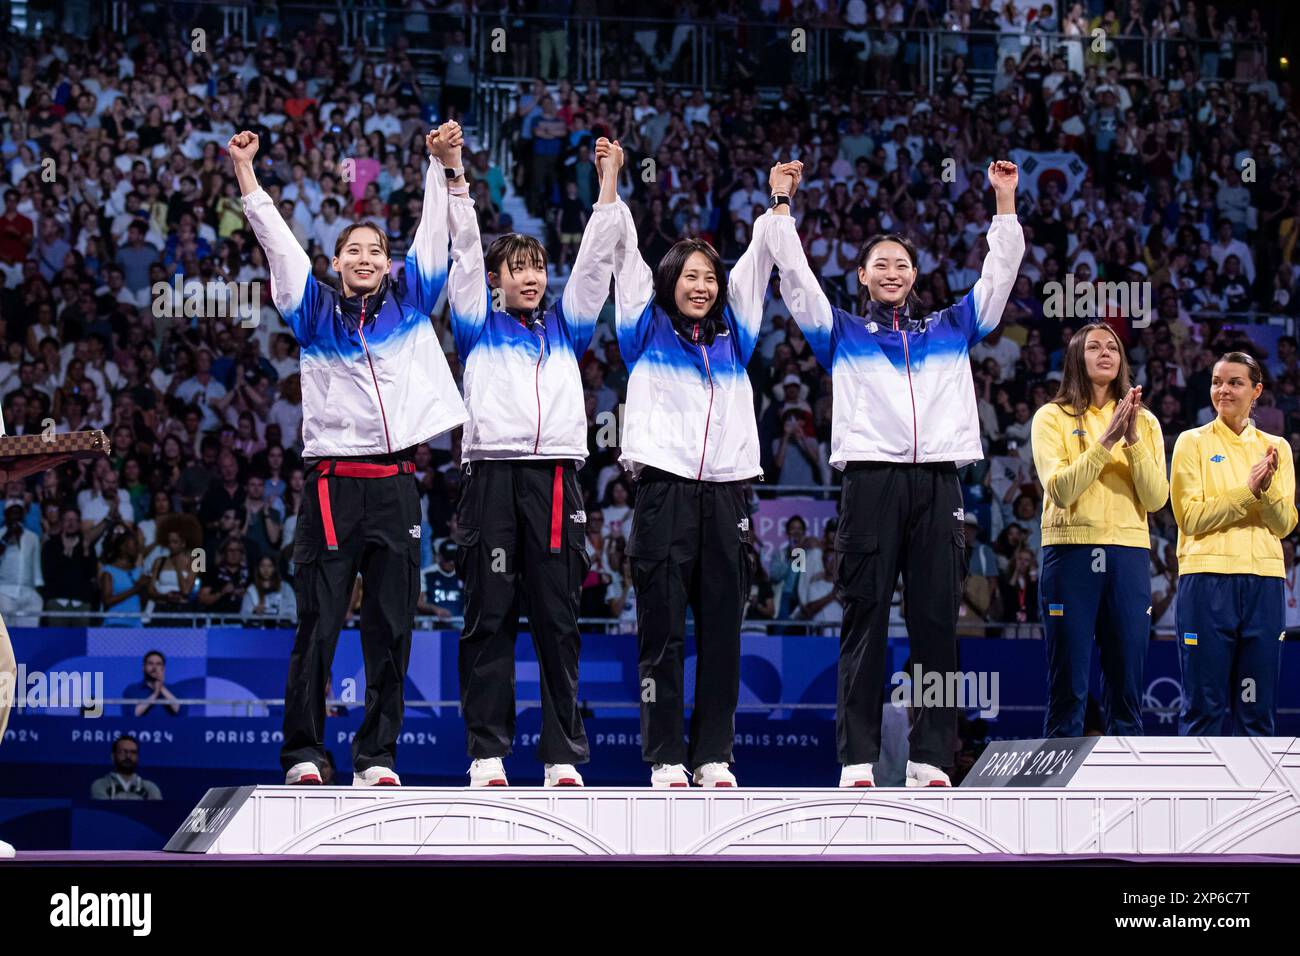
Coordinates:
(670, 269)
(517, 251)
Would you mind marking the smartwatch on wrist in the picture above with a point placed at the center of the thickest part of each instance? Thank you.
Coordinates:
(778, 200)
(454, 172)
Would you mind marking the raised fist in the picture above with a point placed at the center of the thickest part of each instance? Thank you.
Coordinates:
(243, 147)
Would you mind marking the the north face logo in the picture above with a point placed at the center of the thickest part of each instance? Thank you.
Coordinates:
(578, 517)
(960, 514)
(743, 524)
(415, 531)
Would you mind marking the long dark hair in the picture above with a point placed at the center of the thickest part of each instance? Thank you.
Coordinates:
(669, 271)
(1075, 393)
(864, 295)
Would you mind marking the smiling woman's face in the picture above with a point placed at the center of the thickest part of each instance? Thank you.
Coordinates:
(362, 262)
(888, 273)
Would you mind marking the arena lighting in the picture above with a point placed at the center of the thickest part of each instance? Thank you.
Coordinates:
(1283, 62)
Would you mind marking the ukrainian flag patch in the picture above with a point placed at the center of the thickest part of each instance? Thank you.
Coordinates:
(1056, 610)
(1189, 639)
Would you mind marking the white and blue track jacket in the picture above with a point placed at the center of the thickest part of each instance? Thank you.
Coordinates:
(690, 406)
(379, 385)
(903, 385)
(522, 383)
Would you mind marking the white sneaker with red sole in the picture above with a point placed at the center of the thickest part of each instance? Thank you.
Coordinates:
(487, 772)
(714, 775)
(562, 775)
(926, 775)
(857, 775)
(305, 772)
(664, 776)
(376, 777)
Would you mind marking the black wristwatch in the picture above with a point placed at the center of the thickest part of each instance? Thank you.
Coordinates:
(778, 200)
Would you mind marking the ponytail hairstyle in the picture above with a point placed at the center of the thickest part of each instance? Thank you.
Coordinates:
(1248, 360)
(864, 295)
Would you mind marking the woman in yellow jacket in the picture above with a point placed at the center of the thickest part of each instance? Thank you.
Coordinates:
(1233, 490)
(1101, 460)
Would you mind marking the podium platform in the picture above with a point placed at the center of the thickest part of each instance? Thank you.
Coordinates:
(1156, 796)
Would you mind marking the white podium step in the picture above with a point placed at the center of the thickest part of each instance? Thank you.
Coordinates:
(1131, 796)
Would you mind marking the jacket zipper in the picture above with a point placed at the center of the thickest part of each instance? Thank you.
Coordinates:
(537, 388)
(708, 416)
(907, 361)
(374, 378)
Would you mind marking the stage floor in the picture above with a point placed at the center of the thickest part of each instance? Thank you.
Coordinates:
(157, 858)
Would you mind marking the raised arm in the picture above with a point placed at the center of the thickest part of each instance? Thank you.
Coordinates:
(747, 284)
(426, 260)
(293, 288)
(588, 286)
(800, 290)
(981, 310)
(467, 290)
(634, 289)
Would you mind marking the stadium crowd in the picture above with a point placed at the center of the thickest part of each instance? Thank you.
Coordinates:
(122, 221)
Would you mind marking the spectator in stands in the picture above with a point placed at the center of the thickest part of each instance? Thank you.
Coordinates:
(151, 691)
(20, 570)
(124, 783)
(269, 602)
(980, 601)
(442, 593)
(173, 579)
(818, 596)
(222, 588)
(69, 568)
(105, 509)
(799, 556)
(1019, 594)
(121, 582)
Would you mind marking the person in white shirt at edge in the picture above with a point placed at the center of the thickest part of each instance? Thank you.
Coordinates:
(686, 332)
(8, 663)
(520, 522)
(375, 386)
(20, 569)
(904, 421)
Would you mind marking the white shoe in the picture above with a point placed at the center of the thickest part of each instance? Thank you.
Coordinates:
(376, 777)
(562, 775)
(857, 775)
(666, 775)
(6, 851)
(926, 775)
(305, 772)
(487, 772)
(714, 775)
